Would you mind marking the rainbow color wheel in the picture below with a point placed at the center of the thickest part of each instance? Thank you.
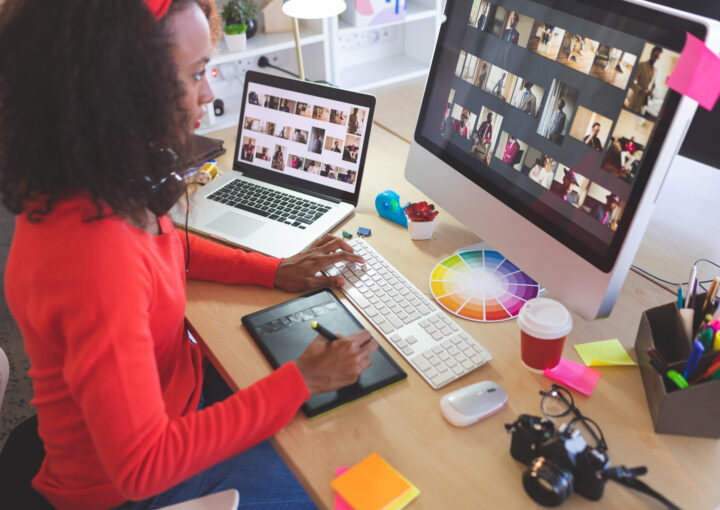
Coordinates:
(481, 285)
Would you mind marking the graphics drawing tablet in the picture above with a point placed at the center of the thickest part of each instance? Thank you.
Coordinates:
(282, 332)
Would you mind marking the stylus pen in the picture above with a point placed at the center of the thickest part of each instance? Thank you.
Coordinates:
(323, 331)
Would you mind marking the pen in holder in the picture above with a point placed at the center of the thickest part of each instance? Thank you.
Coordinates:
(693, 411)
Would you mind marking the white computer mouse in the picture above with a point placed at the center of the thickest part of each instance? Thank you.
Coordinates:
(472, 403)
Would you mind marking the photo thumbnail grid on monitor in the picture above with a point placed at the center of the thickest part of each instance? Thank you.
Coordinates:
(312, 138)
(563, 111)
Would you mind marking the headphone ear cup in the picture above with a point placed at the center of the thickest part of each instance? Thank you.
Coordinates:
(165, 194)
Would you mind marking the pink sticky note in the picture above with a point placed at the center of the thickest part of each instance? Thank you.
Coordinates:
(340, 503)
(574, 375)
(697, 73)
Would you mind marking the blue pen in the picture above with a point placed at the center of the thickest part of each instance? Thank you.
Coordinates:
(680, 296)
(697, 350)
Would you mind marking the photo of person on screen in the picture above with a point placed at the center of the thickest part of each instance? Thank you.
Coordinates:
(300, 136)
(484, 134)
(570, 186)
(356, 121)
(592, 139)
(460, 125)
(510, 34)
(627, 146)
(248, 149)
(590, 128)
(295, 162)
(512, 150)
(278, 160)
(543, 170)
(262, 154)
(316, 139)
(351, 149)
(525, 99)
(560, 106)
(648, 87)
(608, 212)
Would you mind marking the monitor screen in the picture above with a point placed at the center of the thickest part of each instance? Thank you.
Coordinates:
(555, 107)
(315, 139)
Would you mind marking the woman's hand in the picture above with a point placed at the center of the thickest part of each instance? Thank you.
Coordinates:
(331, 365)
(299, 271)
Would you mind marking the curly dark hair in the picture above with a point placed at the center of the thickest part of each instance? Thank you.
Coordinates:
(89, 95)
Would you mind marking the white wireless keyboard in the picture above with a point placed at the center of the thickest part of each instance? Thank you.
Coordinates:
(434, 345)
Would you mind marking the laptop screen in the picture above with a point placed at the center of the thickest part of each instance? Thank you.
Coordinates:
(319, 139)
(556, 107)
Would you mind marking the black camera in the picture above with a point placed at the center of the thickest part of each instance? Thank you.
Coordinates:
(559, 462)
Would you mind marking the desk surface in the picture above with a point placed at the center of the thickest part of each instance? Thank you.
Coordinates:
(453, 467)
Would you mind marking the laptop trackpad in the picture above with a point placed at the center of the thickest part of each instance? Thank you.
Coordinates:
(235, 225)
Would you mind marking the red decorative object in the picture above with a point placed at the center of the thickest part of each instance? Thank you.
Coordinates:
(420, 211)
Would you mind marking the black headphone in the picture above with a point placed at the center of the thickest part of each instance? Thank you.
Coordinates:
(168, 190)
(165, 193)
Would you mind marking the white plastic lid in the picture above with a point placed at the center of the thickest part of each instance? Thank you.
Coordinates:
(545, 318)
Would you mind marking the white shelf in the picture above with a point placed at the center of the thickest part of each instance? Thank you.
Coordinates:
(382, 72)
(262, 43)
(415, 12)
(229, 118)
(401, 53)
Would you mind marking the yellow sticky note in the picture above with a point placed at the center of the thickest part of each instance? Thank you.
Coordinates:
(604, 353)
(372, 484)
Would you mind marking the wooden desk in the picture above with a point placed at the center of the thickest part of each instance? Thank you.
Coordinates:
(470, 467)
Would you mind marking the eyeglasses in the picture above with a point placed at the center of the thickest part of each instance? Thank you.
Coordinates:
(558, 402)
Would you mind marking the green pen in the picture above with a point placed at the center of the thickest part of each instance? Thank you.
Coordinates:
(706, 337)
(678, 379)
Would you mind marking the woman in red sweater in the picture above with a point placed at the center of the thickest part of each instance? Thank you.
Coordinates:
(93, 89)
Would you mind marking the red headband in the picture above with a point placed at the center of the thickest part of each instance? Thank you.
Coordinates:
(158, 7)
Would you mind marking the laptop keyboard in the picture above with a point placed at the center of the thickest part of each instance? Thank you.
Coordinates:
(269, 203)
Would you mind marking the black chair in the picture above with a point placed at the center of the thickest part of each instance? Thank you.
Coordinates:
(19, 462)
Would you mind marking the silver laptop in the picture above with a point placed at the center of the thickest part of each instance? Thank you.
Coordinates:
(297, 169)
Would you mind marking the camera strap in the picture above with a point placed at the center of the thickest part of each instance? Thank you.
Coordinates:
(628, 478)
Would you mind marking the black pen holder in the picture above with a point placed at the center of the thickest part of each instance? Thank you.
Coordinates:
(693, 411)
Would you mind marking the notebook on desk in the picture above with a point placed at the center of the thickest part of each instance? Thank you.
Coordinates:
(298, 165)
(282, 333)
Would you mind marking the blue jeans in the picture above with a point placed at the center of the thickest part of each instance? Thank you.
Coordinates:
(258, 474)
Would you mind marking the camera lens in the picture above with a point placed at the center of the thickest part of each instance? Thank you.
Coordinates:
(546, 483)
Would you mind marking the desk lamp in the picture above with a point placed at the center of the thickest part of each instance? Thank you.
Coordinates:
(309, 9)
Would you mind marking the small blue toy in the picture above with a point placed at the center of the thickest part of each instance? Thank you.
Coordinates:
(363, 231)
(388, 206)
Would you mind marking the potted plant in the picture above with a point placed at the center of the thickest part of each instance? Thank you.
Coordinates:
(241, 12)
(421, 219)
(235, 37)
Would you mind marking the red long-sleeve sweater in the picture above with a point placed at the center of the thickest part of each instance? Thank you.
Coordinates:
(100, 305)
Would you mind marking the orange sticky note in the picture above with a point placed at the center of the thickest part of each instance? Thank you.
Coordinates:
(372, 484)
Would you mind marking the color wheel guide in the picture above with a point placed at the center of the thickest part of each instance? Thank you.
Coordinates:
(481, 285)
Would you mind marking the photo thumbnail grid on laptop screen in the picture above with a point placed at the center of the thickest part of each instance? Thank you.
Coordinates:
(304, 136)
(560, 108)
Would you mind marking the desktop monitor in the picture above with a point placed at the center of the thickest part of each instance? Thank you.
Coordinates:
(547, 128)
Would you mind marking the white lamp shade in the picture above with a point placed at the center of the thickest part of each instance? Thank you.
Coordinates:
(313, 9)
